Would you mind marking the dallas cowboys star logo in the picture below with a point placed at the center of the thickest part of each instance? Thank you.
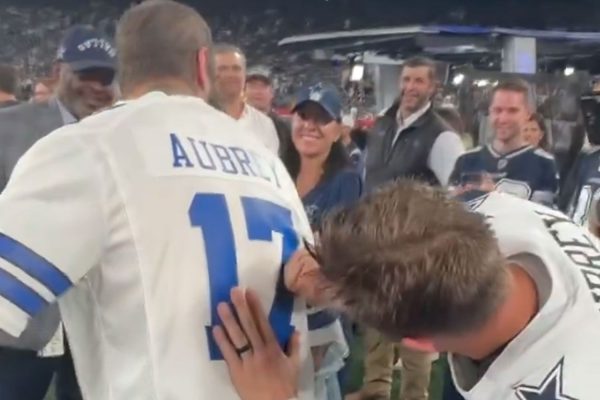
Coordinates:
(551, 387)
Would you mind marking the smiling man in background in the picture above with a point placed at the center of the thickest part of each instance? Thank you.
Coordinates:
(228, 95)
(86, 64)
(410, 140)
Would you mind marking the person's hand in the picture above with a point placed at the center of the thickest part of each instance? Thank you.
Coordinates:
(258, 368)
(487, 183)
(302, 276)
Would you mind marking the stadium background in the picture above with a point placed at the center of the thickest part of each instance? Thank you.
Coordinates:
(30, 31)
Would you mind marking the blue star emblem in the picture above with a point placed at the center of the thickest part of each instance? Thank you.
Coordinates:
(551, 387)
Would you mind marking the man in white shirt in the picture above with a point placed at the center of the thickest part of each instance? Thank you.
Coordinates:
(228, 95)
(510, 288)
(139, 220)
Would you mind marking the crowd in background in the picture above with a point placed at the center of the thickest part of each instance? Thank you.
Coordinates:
(332, 159)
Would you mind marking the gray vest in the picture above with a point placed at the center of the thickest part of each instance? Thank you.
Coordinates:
(407, 158)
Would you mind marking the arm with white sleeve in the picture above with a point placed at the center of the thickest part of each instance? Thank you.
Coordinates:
(446, 150)
(52, 232)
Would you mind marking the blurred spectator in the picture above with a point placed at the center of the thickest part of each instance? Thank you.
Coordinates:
(509, 164)
(453, 118)
(535, 132)
(43, 90)
(318, 163)
(579, 196)
(9, 84)
(260, 94)
(409, 140)
(354, 152)
(85, 85)
(228, 95)
(259, 89)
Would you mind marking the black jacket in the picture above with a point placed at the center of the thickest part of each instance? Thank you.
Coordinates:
(407, 158)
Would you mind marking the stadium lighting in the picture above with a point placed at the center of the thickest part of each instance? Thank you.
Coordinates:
(357, 73)
(458, 79)
(569, 71)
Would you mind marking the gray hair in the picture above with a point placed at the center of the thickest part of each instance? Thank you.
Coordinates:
(160, 39)
(227, 48)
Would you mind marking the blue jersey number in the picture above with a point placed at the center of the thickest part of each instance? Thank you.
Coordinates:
(209, 212)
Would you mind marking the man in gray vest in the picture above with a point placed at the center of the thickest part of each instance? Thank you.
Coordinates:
(409, 140)
(86, 65)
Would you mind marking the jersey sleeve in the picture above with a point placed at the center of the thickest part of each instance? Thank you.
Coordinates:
(547, 188)
(457, 171)
(51, 227)
(350, 188)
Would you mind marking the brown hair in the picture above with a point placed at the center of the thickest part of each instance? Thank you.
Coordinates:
(517, 85)
(419, 61)
(408, 261)
(452, 118)
(9, 79)
(545, 141)
(160, 39)
(227, 48)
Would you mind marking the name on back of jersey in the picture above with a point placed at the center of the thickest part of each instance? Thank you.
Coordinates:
(187, 155)
(578, 246)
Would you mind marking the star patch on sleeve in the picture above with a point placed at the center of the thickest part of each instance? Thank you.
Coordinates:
(551, 387)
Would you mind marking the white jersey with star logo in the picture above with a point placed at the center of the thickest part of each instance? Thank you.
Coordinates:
(138, 221)
(557, 356)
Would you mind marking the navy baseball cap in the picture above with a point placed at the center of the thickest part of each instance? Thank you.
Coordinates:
(324, 95)
(83, 47)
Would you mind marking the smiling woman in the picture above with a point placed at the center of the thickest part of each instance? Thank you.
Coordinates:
(318, 163)
(317, 159)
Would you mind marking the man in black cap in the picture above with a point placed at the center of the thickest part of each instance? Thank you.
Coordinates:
(260, 94)
(86, 65)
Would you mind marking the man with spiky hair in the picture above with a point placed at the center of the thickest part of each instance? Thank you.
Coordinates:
(509, 288)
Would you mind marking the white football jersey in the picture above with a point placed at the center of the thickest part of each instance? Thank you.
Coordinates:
(557, 356)
(261, 125)
(139, 220)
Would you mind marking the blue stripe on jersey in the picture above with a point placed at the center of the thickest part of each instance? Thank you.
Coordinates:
(21, 295)
(321, 319)
(34, 265)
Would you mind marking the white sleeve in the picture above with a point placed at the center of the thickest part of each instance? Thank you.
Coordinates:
(272, 136)
(445, 151)
(52, 227)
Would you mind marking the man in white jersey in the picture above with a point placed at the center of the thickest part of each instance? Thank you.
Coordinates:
(511, 291)
(228, 95)
(140, 219)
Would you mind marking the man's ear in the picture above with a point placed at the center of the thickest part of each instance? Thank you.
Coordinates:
(204, 70)
(420, 344)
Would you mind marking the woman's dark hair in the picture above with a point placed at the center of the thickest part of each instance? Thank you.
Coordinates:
(359, 137)
(545, 141)
(336, 161)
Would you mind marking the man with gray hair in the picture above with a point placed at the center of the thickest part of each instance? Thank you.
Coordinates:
(140, 219)
(228, 95)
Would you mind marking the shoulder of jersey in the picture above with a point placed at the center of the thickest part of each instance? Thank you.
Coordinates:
(543, 153)
(154, 106)
(474, 150)
(259, 114)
